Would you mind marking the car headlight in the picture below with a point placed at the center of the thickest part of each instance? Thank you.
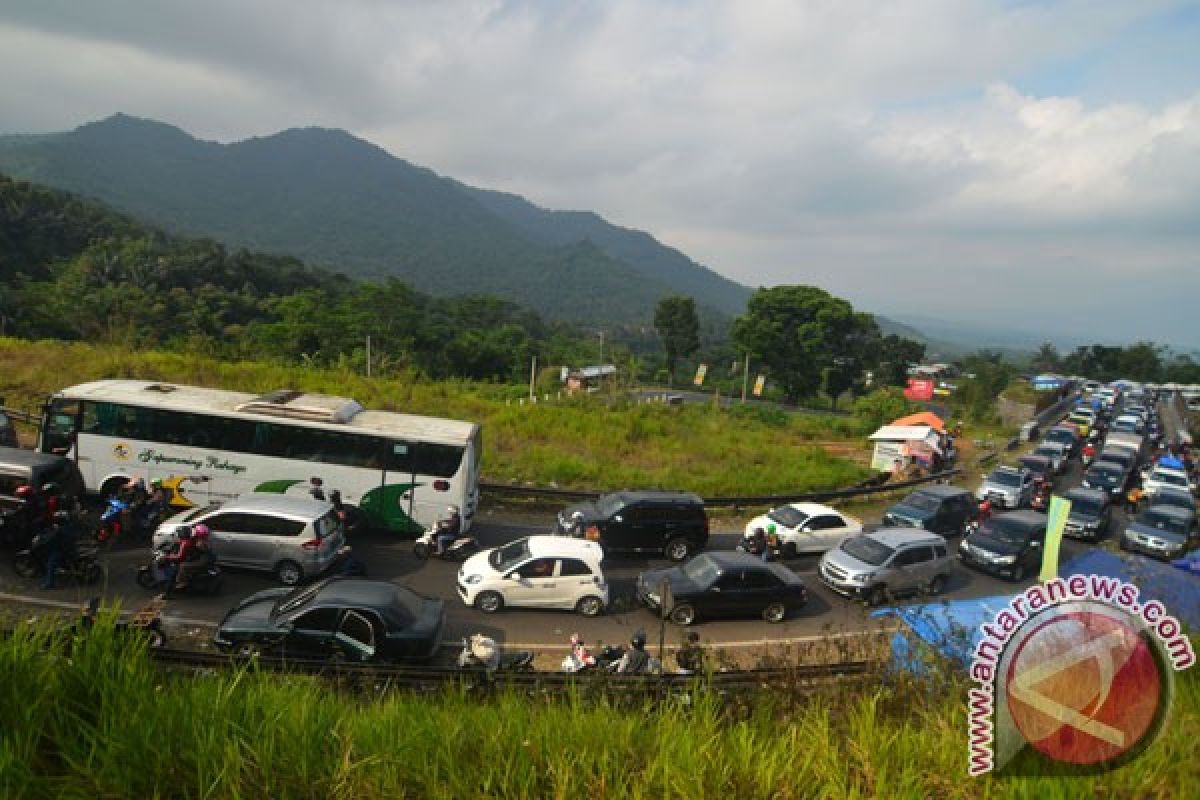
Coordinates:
(1006, 560)
(473, 579)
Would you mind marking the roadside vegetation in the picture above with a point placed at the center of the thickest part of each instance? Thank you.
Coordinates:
(590, 441)
(94, 717)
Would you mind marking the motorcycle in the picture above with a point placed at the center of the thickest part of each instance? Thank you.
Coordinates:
(462, 548)
(112, 520)
(1041, 496)
(479, 651)
(160, 572)
(752, 546)
(80, 564)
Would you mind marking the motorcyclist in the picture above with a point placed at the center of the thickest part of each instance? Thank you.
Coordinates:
(57, 543)
(195, 554)
(448, 529)
(636, 660)
(51, 501)
(316, 488)
(770, 542)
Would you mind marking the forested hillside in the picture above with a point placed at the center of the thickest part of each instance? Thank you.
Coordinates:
(337, 201)
(70, 269)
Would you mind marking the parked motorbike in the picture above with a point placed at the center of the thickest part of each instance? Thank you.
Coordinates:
(159, 573)
(754, 547)
(479, 651)
(80, 565)
(462, 548)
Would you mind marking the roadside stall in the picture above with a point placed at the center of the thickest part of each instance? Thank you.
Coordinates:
(899, 446)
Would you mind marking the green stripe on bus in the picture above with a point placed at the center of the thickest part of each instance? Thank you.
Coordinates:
(276, 487)
(384, 507)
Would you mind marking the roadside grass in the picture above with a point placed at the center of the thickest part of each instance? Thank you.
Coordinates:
(93, 717)
(590, 441)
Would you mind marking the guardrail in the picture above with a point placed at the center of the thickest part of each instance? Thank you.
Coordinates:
(17, 415)
(428, 678)
(729, 501)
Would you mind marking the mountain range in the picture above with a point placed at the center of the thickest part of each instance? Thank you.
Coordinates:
(337, 201)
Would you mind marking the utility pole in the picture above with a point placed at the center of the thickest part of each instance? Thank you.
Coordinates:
(368, 355)
(601, 348)
(532, 376)
(745, 378)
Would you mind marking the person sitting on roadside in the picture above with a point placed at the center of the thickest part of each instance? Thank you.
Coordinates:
(636, 660)
(690, 657)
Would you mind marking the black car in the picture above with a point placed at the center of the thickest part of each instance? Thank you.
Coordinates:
(940, 509)
(1107, 477)
(1167, 496)
(1091, 513)
(1008, 545)
(722, 584)
(350, 618)
(671, 523)
(1060, 434)
(1041, 467)
(1161, 532)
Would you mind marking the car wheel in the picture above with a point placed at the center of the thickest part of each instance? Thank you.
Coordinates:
(248, 650)
(145, 578)
(590, 606)
(155, 638)
(1018, 573)
(875, 596)
(937, 585)
(790, 551)
(678, 549)
(26, 566)
(489, 602)
(683, 615)
(775, 612)
(289, 573)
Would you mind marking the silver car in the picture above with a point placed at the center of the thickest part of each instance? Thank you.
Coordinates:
(294, 537)
(887, 562)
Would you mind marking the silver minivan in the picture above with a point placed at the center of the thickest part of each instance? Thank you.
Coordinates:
(295, 537)
(887, 562)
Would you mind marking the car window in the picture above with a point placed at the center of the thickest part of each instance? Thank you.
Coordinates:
(537, 568)
(731, 580)
(825, 522)
(788, 516)
(268, 525)
(227, 522)
(573, 566)
(318, 619)
(913, 555)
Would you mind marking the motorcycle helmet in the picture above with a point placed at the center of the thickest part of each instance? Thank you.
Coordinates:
(156, 483)
(451, 510)
(639, 640)
(61, 517)
(24, 491)
(200, 531)
(50, 488)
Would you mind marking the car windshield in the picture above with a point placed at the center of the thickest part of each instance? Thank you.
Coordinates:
(297, 598)
(1060, 435)
(1006, 530)
(1105, 474)
(1170, 497)
(921, 501)
(867, 550)
(1005, 478)
(1033, 464)
(1048, 452)
(1164, 522)
(1086, 506)
(1172, 478)
(610, 504)
(701, 570)
(510, 555)
(788, 516)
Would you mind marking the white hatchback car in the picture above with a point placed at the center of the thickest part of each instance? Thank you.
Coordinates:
(536, 572)
(806, 527)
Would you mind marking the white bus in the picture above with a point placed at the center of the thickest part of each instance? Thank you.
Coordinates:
(399, 472)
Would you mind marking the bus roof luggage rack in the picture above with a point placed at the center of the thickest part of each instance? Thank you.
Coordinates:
(300, 405)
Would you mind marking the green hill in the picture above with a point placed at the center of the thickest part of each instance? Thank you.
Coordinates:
(336, 201)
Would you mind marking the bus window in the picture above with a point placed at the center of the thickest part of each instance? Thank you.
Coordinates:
(60, 426)
(441, 460)
(399, 457)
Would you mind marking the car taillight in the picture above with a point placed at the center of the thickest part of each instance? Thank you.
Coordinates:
(311, 544)
(441, 486)
(592, 534)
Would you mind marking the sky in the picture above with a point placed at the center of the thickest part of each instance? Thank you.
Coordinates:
(1034, 164)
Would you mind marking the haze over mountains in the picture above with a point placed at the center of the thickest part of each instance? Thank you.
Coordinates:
(334, 200)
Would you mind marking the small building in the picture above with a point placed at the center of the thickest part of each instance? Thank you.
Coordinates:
(897, 446)
(587, 378)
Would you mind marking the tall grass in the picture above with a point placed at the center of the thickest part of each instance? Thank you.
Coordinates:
(98, 720)
(586, 442)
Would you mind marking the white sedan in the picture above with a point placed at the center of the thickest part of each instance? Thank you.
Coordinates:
(806, 527)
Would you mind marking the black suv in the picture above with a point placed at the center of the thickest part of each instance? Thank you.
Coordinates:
(671, 523)
(939, 509)
(1009, 545)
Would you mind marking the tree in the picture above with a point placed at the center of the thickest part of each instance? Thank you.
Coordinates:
(676, 322)
(1047, 358)
(799, 332)
(894, 355)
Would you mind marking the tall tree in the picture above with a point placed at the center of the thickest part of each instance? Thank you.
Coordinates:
(799, 332)
(1047, 358)
(676, 322)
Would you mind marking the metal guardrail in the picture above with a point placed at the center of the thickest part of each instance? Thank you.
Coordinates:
(17, 415)
(731, 501)
(427, 678)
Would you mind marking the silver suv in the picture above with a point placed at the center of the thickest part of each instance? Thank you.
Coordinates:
(1007, 487)
(887, 562)
(294, 537)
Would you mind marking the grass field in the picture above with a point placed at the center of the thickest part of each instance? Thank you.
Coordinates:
(94, 718)
(591, 441)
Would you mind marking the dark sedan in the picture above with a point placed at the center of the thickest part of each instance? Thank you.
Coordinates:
(348, 618)
(1008, 545)
(1107, 477)
(722, 584)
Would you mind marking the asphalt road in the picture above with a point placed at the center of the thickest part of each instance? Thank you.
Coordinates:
(390, 558)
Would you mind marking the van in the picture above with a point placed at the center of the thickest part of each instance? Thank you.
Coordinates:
(25, 467)
(887, 562)
(294, 537)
